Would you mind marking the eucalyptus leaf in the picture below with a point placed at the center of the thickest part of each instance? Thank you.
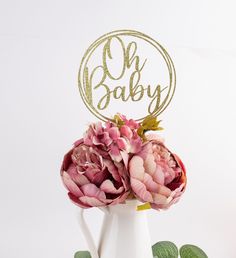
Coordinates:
(82, 254)
(165, 249)
(191, 251)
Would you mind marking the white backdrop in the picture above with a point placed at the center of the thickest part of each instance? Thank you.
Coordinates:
(41, 45)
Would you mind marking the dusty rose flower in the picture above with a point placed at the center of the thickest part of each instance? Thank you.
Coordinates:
(92, 178)
(157, 176)
(119, 141)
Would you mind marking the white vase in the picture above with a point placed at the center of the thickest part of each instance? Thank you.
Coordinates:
(124, 234)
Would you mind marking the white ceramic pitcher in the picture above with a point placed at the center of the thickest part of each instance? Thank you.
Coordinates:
(124, 233)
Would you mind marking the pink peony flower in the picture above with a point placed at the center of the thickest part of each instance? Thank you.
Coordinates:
(157, 176)
(92, 178)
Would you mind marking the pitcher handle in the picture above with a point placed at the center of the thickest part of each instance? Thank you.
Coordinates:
(87, 234)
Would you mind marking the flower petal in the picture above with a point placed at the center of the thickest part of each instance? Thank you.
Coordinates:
(114, 133)
(77, 202)
(136, 168)
(150, 184)
(78, 178)
(160, 199)
(135, 145)
(112, 169)
(66, 161)
(92, 190)
(125, 157)
(150, 164)
(159, 176)
(106, 139)
(126, 131)
(163, 190)
(96, 141)
(78, 142)
(122, 143)
(140, 190)
(115, 153)
(97, 128)
(70, 185)
(108, 187)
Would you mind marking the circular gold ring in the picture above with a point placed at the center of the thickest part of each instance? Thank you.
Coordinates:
(140, 35)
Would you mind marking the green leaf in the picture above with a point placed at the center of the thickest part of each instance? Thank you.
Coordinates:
(191, 251)
(165, 249)
(82, 254)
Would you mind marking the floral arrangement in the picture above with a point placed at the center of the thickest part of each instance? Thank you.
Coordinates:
(122, 160)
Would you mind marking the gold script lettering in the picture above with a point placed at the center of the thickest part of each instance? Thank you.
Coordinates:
(107, 53)
(135, 90)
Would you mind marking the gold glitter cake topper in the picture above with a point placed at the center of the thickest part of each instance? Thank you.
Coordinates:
(126, 71)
